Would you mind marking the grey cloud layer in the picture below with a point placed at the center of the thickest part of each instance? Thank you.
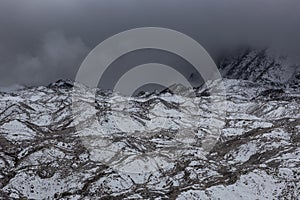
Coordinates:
(51, 61)
(41, 41)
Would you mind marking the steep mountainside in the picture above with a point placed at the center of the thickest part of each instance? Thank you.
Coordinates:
(263, 66)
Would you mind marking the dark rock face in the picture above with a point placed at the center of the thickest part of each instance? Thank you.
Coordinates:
(131, 154)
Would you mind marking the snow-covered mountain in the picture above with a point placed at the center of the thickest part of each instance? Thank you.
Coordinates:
(264, 66)
(157, 146)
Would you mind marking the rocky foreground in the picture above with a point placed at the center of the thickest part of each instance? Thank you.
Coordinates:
(155, 146)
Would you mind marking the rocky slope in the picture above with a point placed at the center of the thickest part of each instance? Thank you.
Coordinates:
(262, 66)
(155, 146)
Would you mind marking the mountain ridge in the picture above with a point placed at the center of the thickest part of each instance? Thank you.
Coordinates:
(152, 146)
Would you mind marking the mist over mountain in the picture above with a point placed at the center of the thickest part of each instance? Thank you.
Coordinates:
(43, 42)
(182, 135)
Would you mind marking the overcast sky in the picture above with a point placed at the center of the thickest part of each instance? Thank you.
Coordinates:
(43, 41)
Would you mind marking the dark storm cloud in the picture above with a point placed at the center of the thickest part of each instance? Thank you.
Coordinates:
(42, 41)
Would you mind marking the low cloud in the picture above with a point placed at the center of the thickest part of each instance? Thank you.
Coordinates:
(31, 53)
(48, 62)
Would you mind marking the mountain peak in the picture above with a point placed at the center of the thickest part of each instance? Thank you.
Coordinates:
(62, 84)
(261, 66)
